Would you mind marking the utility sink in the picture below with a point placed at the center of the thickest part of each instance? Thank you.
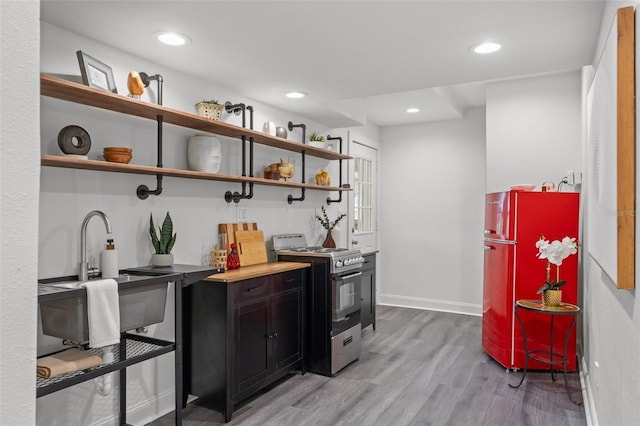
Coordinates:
(64, 314)
(123, 278)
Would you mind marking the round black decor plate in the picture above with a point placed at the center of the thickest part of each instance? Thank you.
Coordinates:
(74, 140)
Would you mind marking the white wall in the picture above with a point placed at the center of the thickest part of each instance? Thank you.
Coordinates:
(533, 130)
(611, 318)
(19, 171)
(196, 206)
(431, 202)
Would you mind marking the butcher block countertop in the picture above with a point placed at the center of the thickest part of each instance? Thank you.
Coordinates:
(254, 271)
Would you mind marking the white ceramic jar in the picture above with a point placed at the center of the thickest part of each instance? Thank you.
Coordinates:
(204, 153)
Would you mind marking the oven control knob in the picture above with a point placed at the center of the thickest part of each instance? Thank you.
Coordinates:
(338, 263)
(347, 262)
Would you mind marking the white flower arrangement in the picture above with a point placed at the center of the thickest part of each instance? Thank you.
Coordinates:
(555, 252)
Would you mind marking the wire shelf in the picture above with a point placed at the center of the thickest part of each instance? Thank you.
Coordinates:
(138, 349)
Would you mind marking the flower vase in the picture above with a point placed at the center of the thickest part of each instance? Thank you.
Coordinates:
(329, 241)
(552, 297)
(204, 153)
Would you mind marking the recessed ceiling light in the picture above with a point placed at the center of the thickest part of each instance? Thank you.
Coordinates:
(295, 95)
(486, 47)
(173, 39)
(412, 110)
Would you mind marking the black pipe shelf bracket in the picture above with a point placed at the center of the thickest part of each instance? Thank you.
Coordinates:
(291, 126)
(143, 191)
(339, 199)
(238, 109)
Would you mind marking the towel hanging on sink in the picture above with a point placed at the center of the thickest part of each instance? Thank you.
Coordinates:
(103, 312)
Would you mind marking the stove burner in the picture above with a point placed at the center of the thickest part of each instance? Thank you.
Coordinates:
(306, 249)
(327, 250)
(316, 249)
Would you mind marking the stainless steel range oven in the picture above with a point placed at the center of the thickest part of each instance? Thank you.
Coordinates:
(334, 330)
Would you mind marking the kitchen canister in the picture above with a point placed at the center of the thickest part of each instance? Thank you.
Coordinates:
(204, 153)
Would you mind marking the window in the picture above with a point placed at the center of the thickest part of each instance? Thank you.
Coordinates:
(362, 195)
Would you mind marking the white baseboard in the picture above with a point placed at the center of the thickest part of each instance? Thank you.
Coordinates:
(430, 304)
(145, 412)
(587, 394)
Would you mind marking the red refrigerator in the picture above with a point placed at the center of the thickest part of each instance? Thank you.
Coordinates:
(514, 221)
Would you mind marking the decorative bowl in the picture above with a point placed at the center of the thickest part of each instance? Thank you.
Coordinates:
(116, 154)
(523, 187)
(285, 169)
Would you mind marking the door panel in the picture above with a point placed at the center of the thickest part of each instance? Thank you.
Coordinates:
(252, 351)
(287, 327)
(497, 216)
(363, 200)
(497, 309)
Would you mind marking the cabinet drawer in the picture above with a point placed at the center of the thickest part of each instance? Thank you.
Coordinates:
(253, 289)
(287, 281)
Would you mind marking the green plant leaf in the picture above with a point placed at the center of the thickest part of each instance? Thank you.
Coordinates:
(164, 244)
(171, 243)
(154, 237)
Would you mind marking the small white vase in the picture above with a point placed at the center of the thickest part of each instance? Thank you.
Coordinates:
(204, 153)
(162, 259)
(269, 128)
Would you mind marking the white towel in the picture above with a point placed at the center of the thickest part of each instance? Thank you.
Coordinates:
(103, 312)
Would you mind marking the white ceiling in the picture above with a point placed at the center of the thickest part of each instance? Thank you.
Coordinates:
(359, 61)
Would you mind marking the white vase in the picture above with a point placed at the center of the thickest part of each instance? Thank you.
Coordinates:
(204, 153)
(269, 128)
(162, 259)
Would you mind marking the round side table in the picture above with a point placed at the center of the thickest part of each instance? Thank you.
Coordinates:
(547, 356)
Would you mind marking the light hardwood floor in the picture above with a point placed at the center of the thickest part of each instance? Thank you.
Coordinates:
(418, 368)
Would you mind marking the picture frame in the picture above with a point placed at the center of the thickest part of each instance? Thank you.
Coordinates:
(611, 167)
(95, 73)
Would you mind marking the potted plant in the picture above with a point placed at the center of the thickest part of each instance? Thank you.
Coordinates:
(555, 252)
(329, 225)
(209, 108)
(316, 140)
(164, 244)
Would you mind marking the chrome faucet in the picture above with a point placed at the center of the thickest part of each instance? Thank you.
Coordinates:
(83, 272)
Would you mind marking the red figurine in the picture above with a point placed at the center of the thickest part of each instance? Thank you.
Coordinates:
(233, 260)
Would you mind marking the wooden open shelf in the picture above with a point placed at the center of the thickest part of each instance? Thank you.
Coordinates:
(73, 92)
(105, 166)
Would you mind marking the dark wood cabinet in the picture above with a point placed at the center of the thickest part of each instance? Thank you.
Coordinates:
(368, 287)
(245, 335)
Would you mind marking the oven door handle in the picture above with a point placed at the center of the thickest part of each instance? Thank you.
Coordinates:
(346, 277)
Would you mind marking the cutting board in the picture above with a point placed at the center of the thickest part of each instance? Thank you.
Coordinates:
(229, 229)
(251, 248)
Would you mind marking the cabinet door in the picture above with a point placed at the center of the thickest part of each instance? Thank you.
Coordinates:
(368, 296)
(252, 351)
(287, 333)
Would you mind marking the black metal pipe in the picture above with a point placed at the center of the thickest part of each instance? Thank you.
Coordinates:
(237, 109)
(143, 191)
(250, 195)
(147, 79)
(291, 126)
(339, 200)
(291, 199)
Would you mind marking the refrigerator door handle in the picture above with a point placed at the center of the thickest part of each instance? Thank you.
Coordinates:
(487, 248)
(489, 231)
(498, 241)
